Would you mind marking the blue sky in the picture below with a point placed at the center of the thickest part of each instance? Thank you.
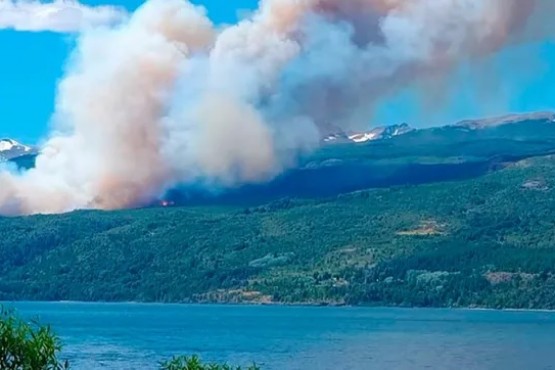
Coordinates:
(520, 79)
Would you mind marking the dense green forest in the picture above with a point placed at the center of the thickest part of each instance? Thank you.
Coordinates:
(486, 242)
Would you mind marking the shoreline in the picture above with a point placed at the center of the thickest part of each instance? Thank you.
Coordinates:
(292, 305)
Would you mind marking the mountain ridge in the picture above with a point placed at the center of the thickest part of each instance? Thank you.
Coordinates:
(11, 149)
(417, 156)
(387, 132)
(507, 119)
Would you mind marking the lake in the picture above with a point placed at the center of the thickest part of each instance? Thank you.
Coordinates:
(137, 336)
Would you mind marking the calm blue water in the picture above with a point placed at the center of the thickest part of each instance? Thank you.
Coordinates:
(136, 336)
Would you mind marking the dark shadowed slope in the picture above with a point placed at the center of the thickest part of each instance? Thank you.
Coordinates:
(451, 153)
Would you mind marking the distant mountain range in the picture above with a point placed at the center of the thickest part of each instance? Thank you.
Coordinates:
(11, 149)
(382, 157)
(389, 132)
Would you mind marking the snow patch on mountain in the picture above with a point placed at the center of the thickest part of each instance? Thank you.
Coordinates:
(10, 149)
(378, 133)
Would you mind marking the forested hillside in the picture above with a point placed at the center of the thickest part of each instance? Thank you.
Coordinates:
(487, 242)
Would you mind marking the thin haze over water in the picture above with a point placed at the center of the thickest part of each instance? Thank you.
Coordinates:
(137, 336)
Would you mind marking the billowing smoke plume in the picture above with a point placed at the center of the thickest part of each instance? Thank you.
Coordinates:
(166, 98)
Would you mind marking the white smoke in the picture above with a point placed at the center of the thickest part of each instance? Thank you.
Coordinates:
(166, 99)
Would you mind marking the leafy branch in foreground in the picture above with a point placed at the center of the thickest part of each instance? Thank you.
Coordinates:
(195, 363)
(27, 346)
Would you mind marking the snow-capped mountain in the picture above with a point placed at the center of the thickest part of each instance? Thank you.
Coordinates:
(378, 133)
(10, 149)
(389, 132)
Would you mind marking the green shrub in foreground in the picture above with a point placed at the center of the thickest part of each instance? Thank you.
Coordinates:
(194, 363)
(25, 346)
